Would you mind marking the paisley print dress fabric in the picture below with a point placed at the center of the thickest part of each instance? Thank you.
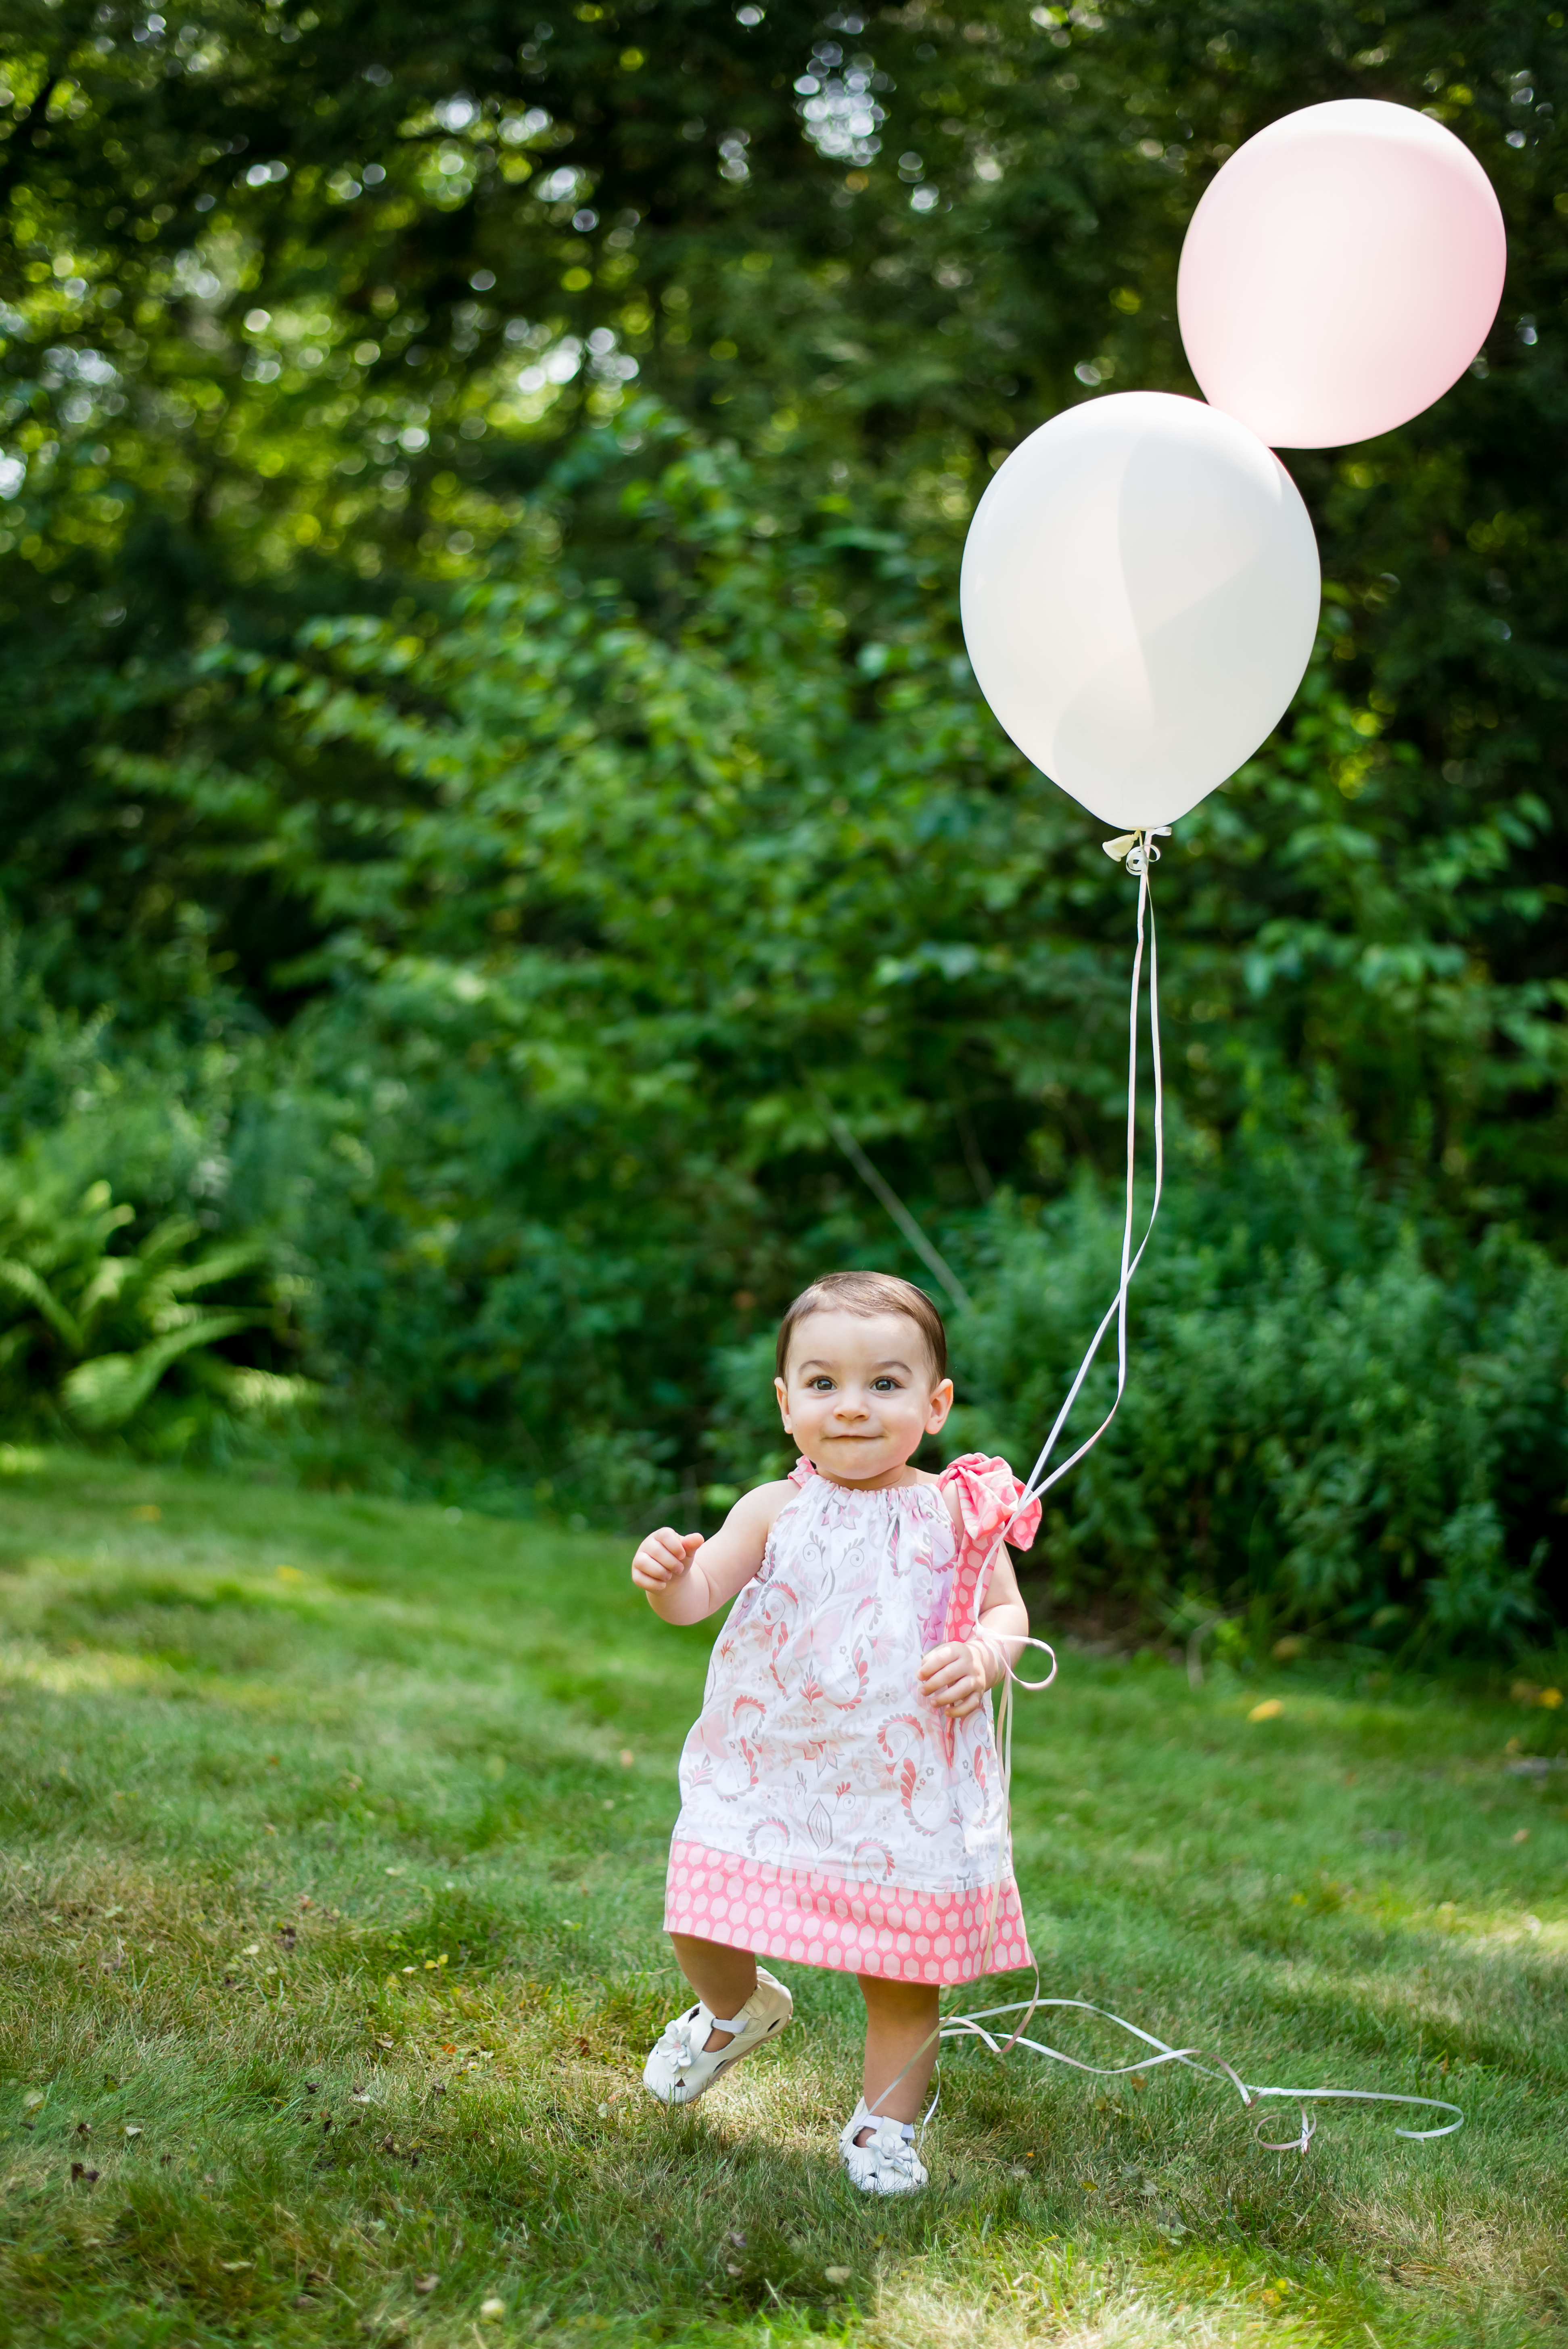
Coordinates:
(827, 1813)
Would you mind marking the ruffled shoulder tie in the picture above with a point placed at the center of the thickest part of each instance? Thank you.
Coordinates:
(988, 1497)
(804, 1472)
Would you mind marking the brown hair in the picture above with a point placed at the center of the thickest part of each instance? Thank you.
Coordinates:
(867, 1294)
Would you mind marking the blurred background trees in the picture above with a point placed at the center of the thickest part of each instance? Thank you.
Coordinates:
(489, 757)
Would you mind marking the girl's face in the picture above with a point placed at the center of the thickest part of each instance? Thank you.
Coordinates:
(858, 1392)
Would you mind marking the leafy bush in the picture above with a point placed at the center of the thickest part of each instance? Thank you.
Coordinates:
(481, 772)
(100, 1325)
(1358, 1424)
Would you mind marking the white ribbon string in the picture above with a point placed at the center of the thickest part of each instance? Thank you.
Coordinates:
(1143, 853)
(1116, 1311)
(1212, 2067)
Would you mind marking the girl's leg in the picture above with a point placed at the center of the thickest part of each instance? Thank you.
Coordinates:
(723, 1978)
(899, 2016)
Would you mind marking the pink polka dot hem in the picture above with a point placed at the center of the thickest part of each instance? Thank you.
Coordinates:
(818, 1918)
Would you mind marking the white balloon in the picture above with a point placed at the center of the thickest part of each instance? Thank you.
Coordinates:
(1140, 596)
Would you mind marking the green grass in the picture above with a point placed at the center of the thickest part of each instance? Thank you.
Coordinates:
(332, 1809)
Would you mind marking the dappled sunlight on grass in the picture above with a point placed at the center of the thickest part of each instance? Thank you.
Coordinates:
(26, 1660)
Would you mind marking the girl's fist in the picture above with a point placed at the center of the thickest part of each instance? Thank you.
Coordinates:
(954, 1676)
(663, 1557)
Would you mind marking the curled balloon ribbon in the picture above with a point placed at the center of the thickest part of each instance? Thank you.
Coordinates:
(1196, 2059)
(1139, 854)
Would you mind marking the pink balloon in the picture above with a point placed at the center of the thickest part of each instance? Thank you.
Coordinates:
(1340, 273)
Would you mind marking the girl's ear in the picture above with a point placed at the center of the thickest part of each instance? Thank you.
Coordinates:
(941, 1404)
(781, 1390)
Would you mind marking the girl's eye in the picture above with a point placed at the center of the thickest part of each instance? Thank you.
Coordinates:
(885, 1386)
(820, 1385)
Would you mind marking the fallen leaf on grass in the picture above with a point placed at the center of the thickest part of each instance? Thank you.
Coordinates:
(1269, 1710)
(427, 2283)
(78, 2171)
(1521, 1835)
(838, 2275)
(133, 2128)
(232, 2267)
(491, 2309)
(32, 2100)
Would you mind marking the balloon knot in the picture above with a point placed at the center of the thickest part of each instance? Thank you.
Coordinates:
(1136, 849)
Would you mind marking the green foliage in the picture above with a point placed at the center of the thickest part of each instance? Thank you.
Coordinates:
(1315, 1420)
(488, 721)
(98, 1322)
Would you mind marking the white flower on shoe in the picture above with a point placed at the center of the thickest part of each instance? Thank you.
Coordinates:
(887, 2163)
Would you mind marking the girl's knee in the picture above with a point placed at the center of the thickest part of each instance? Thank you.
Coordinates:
(901, 1998)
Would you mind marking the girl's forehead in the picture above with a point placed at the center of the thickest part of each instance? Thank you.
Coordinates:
(830, 1336)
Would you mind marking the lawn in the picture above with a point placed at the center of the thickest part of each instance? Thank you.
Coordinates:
(333, 1846)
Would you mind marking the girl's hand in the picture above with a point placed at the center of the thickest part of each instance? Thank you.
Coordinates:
(955, 1676)
(663, 1557)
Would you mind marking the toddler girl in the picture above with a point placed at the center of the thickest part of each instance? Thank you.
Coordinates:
(842, 1798)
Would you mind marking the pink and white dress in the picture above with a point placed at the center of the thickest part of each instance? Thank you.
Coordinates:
(829, 1813)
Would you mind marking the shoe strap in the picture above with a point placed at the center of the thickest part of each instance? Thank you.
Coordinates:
(865, 2118)
(877, 2123)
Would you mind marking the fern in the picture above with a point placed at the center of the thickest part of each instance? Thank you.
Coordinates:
(96, 1321)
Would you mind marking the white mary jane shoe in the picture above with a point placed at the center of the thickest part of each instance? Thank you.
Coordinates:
(889, 2164)
(682, 2066)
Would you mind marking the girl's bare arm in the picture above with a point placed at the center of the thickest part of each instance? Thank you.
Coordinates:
(956, 1675)
(686, 1578)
